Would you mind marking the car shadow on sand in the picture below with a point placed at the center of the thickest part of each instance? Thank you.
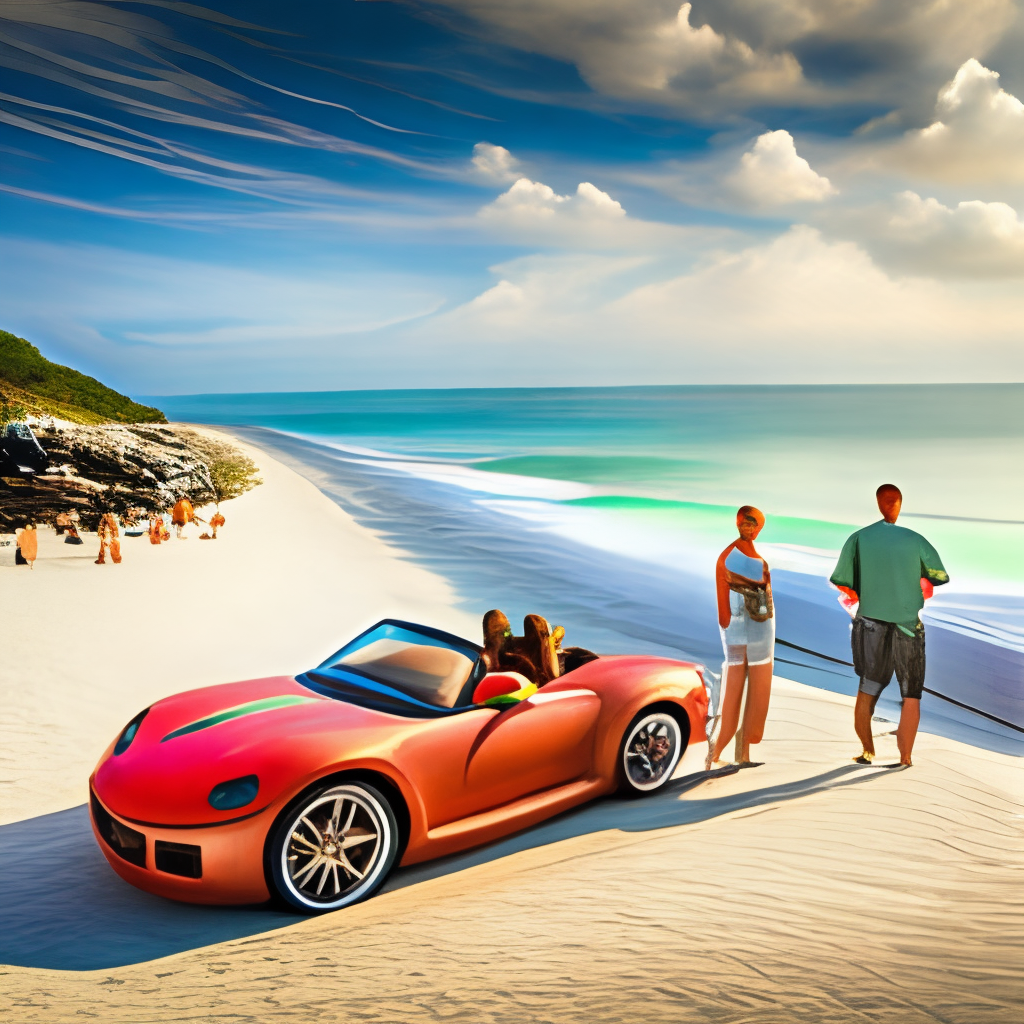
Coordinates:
(62, 908)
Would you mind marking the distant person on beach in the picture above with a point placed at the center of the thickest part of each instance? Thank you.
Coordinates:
(216, 522)
(107, 531)
(181, 515)
(131, 522)
(62, 523)
(886, 572)
(746, 615)
(156, 528)
(26, 546)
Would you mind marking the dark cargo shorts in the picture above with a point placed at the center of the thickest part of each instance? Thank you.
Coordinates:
(879, 648)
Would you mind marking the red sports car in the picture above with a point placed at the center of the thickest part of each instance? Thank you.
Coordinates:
(397, 749)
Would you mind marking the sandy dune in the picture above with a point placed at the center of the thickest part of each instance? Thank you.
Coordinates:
(808, 889)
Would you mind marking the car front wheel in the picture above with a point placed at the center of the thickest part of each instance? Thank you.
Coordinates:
(332, 847)
(651, 748)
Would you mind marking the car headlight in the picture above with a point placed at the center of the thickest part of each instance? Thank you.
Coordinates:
(129, 732)
(226, 796)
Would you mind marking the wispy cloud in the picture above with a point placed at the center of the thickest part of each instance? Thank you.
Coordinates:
(132, 64)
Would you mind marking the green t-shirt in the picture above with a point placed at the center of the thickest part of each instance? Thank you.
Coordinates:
(885, 563)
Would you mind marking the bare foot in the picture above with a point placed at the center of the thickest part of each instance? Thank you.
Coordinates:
(864, 757)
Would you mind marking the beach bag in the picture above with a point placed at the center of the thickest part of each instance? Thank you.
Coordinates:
(757, 601)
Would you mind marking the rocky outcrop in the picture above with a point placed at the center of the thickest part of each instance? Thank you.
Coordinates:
(97, 469)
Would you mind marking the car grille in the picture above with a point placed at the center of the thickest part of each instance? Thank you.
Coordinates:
(179, 859)
(128, 844)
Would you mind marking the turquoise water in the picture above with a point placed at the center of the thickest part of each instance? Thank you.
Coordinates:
(656, 473)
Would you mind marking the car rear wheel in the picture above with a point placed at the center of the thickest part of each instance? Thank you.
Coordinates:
(651, 748)
(332, 847)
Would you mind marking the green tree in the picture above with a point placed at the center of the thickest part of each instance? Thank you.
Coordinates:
(11, 412)
(231, 472)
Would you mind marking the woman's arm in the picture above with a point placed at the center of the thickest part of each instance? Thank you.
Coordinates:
(722, 588)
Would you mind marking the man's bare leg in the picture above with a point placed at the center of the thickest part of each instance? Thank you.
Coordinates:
(732, 698)
(906, 732)
(862, 713)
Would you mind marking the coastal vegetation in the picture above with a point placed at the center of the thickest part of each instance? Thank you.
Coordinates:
(31, 384)
(231, 472)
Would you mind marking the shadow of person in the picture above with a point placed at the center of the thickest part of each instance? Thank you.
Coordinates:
(62, 908)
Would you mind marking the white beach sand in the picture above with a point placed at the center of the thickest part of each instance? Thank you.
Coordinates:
(808, 889)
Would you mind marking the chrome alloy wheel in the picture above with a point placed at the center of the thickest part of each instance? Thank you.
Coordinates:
(651, 750)
(335, 847)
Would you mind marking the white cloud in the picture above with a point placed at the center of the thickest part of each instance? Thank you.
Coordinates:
(495, 163)
(799, 308)
(977, 136)
(531, 201)
(715, 56)
(772, 173)
(971, 239)
(533, 213)
(676, 56)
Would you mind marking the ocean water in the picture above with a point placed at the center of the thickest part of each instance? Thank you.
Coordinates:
(643, 483)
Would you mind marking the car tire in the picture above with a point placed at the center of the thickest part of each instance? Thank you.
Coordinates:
(332, 846)
(640, 773)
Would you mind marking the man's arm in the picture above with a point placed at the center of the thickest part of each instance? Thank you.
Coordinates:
(844, 576)
(932, 568)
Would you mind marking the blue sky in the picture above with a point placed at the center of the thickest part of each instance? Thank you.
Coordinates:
(235, 197)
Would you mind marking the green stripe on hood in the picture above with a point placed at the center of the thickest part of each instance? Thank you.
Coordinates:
(238, 711)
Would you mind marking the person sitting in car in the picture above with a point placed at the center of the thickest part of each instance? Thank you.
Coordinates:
(537, 654)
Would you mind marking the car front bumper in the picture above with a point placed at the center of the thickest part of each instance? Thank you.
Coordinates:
(220, 864)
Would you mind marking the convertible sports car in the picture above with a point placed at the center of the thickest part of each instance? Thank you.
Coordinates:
(399, 748)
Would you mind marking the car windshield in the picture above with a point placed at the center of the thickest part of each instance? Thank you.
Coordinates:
(429, 666)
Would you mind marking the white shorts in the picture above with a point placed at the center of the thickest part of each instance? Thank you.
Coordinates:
(744, 639)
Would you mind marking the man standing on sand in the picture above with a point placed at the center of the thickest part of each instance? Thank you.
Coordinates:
(890, 570)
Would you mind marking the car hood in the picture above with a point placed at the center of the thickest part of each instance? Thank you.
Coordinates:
(275, 729)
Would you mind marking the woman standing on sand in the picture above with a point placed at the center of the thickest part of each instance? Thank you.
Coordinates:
(746, 616)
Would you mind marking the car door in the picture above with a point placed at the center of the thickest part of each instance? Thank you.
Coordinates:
(485, 757)
(544, 741)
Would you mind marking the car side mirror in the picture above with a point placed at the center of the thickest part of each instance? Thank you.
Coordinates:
(499, 684)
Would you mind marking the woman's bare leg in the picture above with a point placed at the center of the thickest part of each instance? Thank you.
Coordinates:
(759, 691)
(732, 698)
